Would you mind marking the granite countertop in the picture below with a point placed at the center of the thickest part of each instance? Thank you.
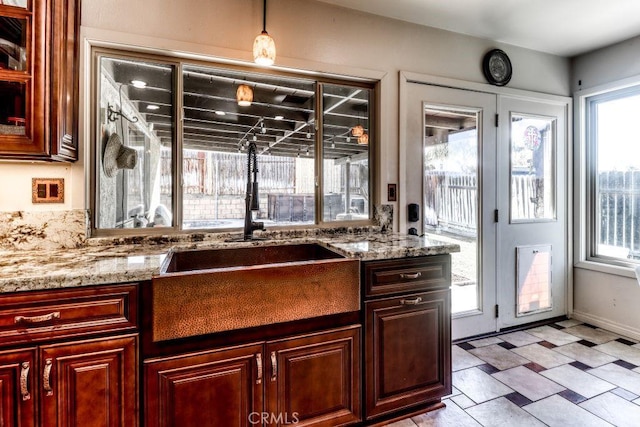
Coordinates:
(113, 262)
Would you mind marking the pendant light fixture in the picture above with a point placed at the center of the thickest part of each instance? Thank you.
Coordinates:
(244, 95)
(363, 139)
(357, 131)
(264, 48)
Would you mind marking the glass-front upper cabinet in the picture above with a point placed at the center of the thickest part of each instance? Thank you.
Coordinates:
(38, 45)
(22, 75)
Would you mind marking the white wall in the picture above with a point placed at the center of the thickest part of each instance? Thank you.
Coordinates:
(15, 191)
(309, 35)
(610, 297)
(607, 300)
(606, 65)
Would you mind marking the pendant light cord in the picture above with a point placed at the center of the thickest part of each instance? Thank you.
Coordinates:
(264, 16)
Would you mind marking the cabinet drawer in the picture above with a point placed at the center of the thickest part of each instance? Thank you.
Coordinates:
(44, 315)
(388, 277)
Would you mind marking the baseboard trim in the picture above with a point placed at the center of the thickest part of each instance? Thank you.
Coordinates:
(607, 324)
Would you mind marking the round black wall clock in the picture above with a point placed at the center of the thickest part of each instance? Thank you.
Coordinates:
(497, 67)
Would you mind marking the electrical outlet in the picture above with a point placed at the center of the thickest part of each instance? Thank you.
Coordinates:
(47, 190)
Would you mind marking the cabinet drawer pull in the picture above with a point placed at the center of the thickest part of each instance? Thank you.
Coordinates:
(37, 319)
(414, 301)
(274, 366)
(24, 383)
(46, 377)
(259, 364)
(410, 275)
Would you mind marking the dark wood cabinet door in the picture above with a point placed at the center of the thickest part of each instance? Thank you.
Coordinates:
(90, 383)
(65, 24)
(18, 395)
(408, 351)
(314, 380)
(207, 389)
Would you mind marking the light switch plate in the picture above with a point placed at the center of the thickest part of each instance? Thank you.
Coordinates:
(392, 192)
(47, 190)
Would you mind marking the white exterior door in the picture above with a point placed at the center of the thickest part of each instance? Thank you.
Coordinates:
(496, 184)
(450, 158)
(532, 210)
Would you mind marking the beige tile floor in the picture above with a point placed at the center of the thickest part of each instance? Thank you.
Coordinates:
(564, 374)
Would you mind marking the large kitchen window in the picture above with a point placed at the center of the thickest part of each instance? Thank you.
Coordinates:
(172, 137)
(613, 174)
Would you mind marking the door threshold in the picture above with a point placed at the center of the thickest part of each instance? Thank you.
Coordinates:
(512, 329)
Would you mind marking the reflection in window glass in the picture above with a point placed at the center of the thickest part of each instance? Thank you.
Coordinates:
(616, 174)
(532, 168)
(136, 128)
(345, 146)
(12, 108)
(13, 43)
(226, 109)
(278, 116)
(17, 3)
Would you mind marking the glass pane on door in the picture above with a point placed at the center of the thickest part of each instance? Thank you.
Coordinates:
(532, 168)
(451, 195)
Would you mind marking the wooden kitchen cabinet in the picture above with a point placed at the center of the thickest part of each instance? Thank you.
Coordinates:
(76, 384)
(83, 370)
(90, 383)
(314, 380)
(65, 77)
(17, 388)
(308, 380)
(210, 388)
(408, 337)
(43, 316)
(400, 276)
(39, 80)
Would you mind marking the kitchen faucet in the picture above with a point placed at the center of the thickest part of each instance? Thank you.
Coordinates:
(251, 198)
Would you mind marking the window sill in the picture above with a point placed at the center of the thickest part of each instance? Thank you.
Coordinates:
(172, 236)
(601, 267)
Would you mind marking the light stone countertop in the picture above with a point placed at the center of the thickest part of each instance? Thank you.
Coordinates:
(113, 262)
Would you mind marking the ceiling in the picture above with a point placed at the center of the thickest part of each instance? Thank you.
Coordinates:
(560, 27)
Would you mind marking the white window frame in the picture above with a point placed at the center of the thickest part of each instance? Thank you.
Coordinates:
(584, 227)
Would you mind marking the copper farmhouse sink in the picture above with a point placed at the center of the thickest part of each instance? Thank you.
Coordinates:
(211, 290)
(205, 259)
